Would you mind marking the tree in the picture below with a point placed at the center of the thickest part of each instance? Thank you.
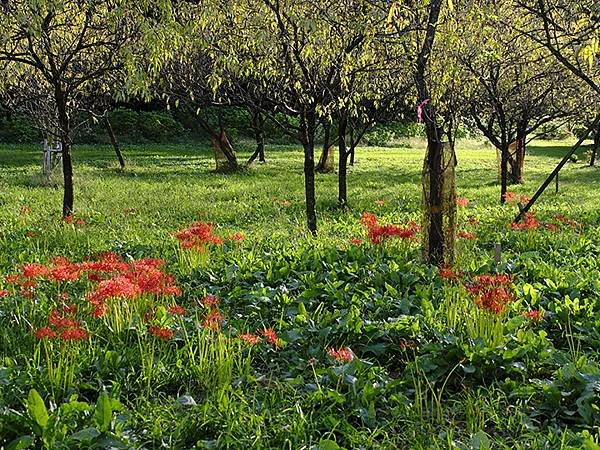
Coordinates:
(60, 50)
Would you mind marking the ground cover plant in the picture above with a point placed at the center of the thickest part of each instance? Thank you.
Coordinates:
(181, 308)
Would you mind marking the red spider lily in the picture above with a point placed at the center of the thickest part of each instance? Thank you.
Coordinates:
(462, 201)
(270, 336)
(412, 225)
(31, 234)
(250, 339)
(25, 209)
(212, 320)
(12, 279)
(3, 293)
(119, 287)
(239, 237)
(513, 199)
(534, 314)
(160, 332)
(379, 202)
(551, 227)
(465, 235)
(33, 270)
(341, 355)
(530, 223)
(45, 333)
(355, 241)
(68, 272)
(99, 311)
(210, 301)
(405, 345)
(74, 334)
(197, 236)
(70, 309)
(447, 273)
(177, 310)
(69, 219)
(492, 292)
(377, 233)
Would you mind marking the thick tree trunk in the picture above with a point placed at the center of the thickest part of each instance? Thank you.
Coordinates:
(224, 151)
(322, 164)
(307, 137)
(259, 137)
(343, 161)
(436, 213)
(503, 173)
(113, 140)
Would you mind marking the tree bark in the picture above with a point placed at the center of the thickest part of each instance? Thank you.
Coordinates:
(65, 138)
(307, 137)
(595, 147)
(343, 160)
(504, 154)
(322, 164)
(259, 137)
(113, 140)
(517, 173)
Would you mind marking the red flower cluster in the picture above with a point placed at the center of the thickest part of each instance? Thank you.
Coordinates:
(513, 199)
(492, 292)
(341, 355)
(161, 332)
(71, 220)
(177, 310)
(530, 223)
(239, 237)
(355, 241)
(213, 320)
(447, 273)
(465, 235)
(250, 339)
(3, 293)
(566, 220)
(271, 336)
(462, 201)
(63, 326)
(197, 236)
(534, 314)
(377, 233)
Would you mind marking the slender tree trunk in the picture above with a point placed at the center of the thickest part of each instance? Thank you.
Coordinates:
(595, 147)
(343, 160)
(517, 173)
(352, 151)
(65, 138)
(503, 173)
(113, 140)
(322, 164)
(259, 137)
(307, 137)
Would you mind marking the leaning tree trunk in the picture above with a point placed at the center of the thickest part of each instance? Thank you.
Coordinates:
(324, 166)
(307, 137)
(595, 147)
(259, 136)
(225, 157)
(343, 161)
(519, 156)
(113, 140)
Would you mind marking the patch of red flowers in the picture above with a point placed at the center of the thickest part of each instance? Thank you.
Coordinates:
(341, 355)
(447, 273)
(492, 292)
(161, 332)
(177, 310)
(566, 220)
(239, 237)
(250, 339)
(462, 201)
(270, 336)
(378, 233)
(3, 293)
(197, 236)
(465, 235)
(213, 320)
(355, 241)
(513, 199)
(379, 202)
(534, 314)
(63, 326)
(529, 223)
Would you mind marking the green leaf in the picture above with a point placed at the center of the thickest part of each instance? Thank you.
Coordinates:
(20, 443)
(103, 414)
(87, 434)
(328, 444)
(36, 409)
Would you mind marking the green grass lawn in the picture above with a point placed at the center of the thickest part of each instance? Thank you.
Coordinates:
(430, 368)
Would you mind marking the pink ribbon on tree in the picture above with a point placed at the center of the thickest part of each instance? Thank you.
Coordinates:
(420, 109)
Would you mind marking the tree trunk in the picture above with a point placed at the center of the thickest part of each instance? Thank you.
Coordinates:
(226, 159)
(64, 124)
(503, 173)
(517, 172)
(436, 214)
(307, 137)
(352, 151)
(322, 164)
(113, 140)
(595, 147)
(343, 160)
(259, 136)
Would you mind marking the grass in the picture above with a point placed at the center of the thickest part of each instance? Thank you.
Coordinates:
(417, 379)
